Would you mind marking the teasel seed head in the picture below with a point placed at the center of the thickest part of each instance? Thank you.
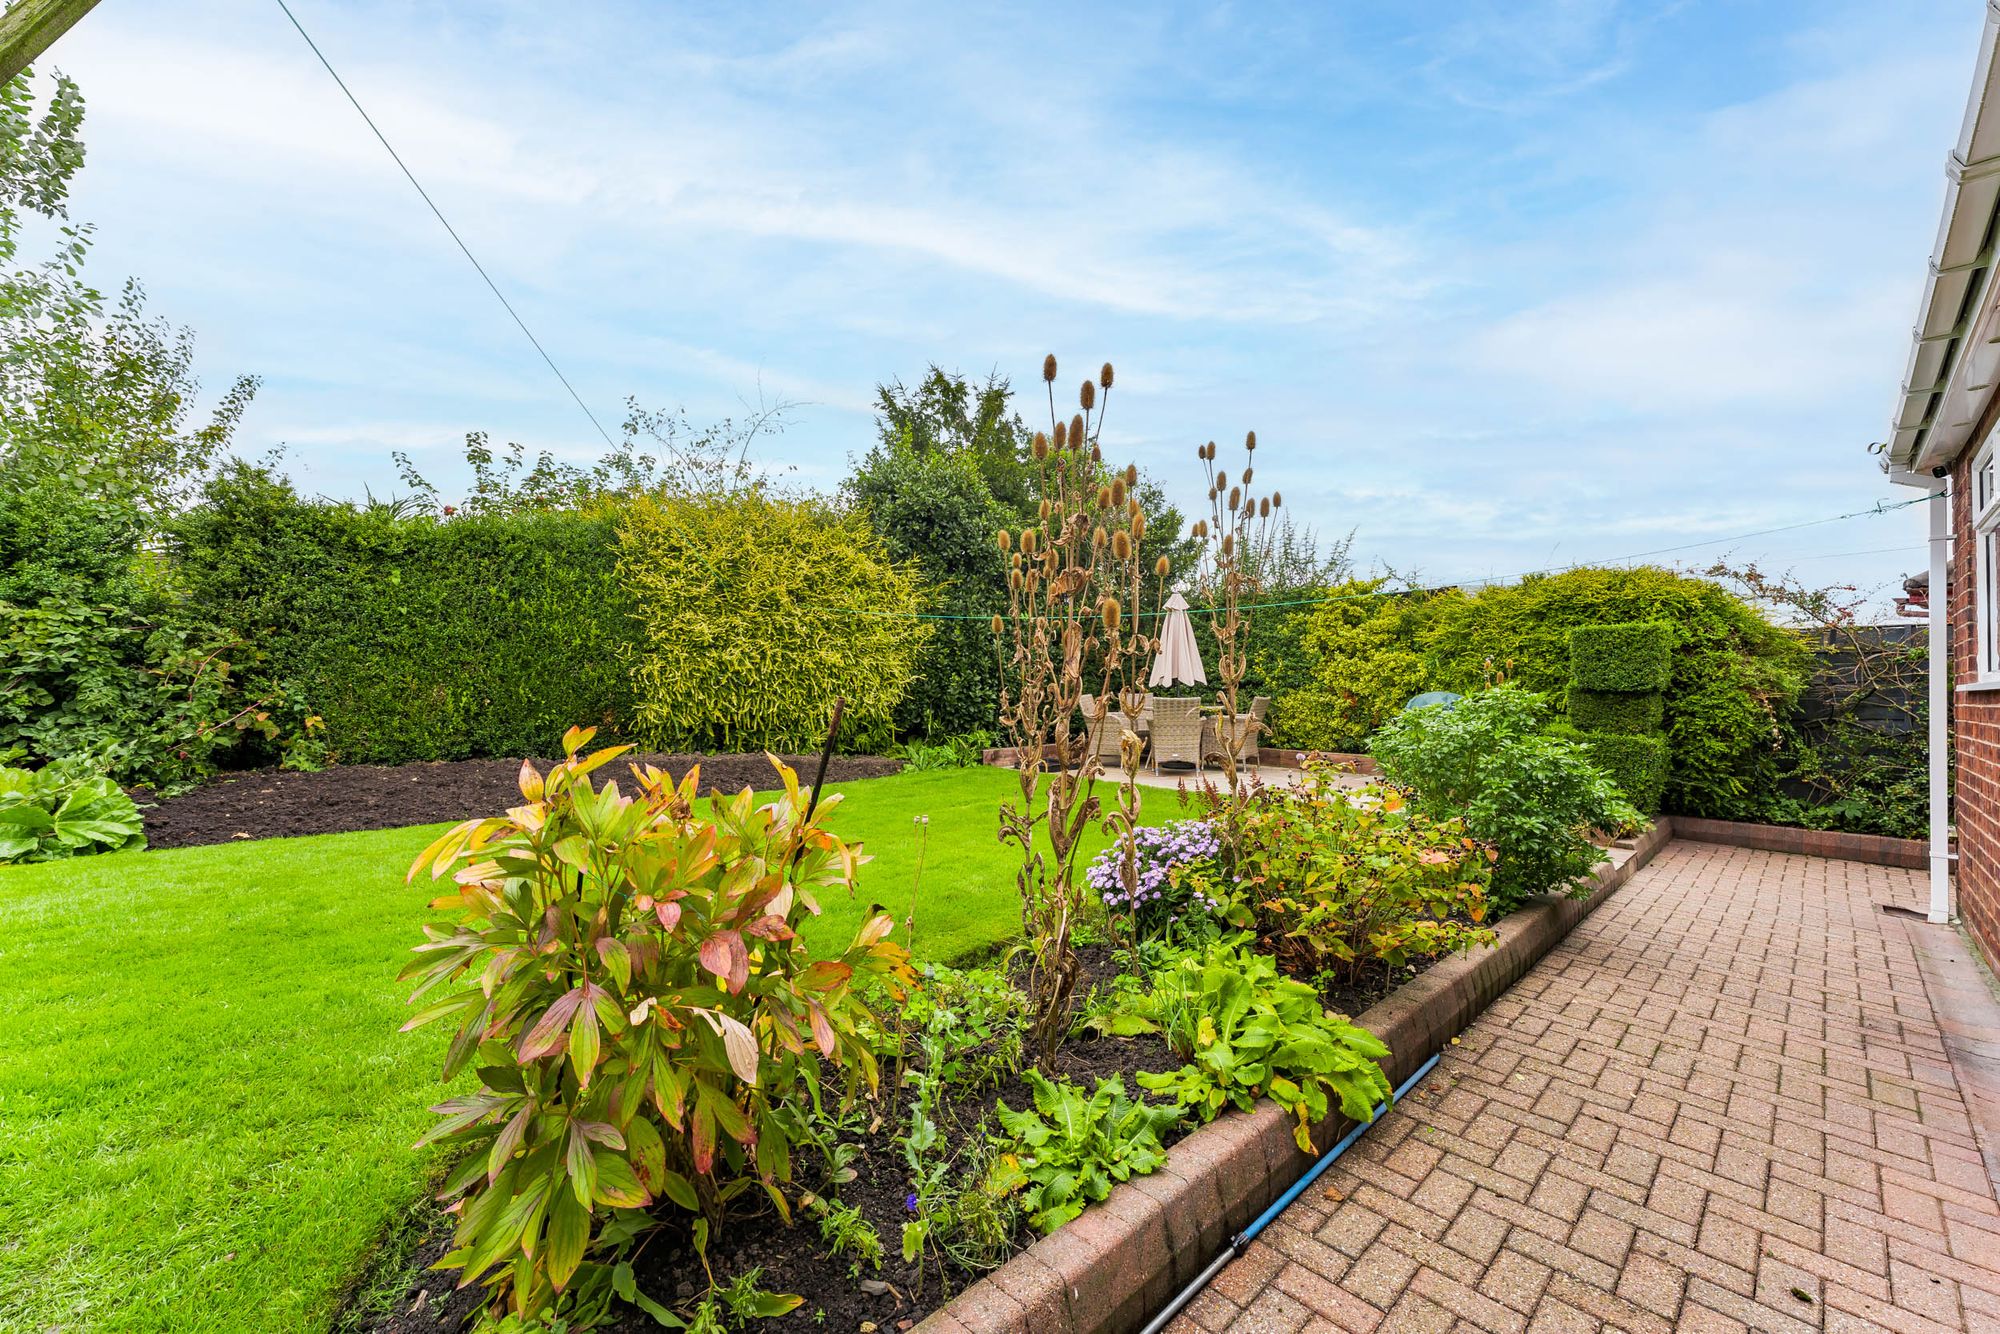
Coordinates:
(1110, 611)
(1277, 499)
(1017, 560)
(1104, 376)
(1076, 433)
(1118, 490)
(1096, 454)
(998, 625)
(1160, 568)
(1099, 537)
(1104, 496)
(1132, 506)
(1250, 442)
(1246, 475)
(1121, 545)
(1005, 540)
(1200, 529)
(1087, 395)
(1139, 526)
(1228, 543)
(1041, 445)
(1264, 508)
(1062, 436)
(1049, 368)
(1235, 497)
(1014, 580)
(1045, 509)
(1131, 474)
(1028, 541)
(1221, 482)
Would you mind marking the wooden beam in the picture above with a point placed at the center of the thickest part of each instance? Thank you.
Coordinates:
(29, 27)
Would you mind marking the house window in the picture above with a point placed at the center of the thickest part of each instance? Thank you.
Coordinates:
(1986, 534)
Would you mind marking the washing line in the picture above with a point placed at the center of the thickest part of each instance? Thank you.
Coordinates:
(1880, 507)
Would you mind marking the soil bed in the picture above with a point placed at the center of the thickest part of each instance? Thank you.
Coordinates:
(273, 803)
(793, 1259)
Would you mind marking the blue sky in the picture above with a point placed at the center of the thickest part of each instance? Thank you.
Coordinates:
(1499, 285)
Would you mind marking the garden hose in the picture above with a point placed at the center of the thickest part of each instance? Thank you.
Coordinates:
(1241, 1241)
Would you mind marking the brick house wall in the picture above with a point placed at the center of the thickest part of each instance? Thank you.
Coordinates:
(1975, 731)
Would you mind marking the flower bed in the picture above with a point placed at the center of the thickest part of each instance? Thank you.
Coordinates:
(889, 1199)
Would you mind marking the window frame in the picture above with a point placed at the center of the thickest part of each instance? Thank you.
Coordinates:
(1983, 479)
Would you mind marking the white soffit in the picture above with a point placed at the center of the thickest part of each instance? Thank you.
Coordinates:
(1955, 350)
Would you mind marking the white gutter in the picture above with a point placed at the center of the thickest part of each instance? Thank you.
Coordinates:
(1955, 351)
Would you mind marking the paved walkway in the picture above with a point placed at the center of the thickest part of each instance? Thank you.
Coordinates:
(1723, 1104)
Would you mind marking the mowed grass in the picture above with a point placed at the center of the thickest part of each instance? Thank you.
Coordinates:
(206, 1109)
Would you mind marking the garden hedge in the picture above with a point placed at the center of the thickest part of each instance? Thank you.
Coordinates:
(1734, 675)
(1629, 657)
(419, 638)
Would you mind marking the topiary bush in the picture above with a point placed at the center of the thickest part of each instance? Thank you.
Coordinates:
(1609, 711)
(753, 613)
(1636, 763)
(1627, 657)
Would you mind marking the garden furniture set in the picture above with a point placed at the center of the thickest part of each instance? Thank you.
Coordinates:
(1179, 731)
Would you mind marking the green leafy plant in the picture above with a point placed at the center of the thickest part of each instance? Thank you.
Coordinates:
(957, 1217)
(630, 988)
(955, 752)
(1342, 878)
(847, 1232)
(64, 810)
(1068, 1150)
(1249, 1033)
(1534, 797)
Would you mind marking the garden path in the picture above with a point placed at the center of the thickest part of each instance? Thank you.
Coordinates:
(1739, 1096)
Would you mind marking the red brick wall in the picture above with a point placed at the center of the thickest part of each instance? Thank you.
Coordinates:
(1976, 738)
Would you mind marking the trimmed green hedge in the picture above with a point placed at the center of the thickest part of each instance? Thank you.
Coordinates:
(419, 638)
(1614, 711)
(1637, 764)
(1626, 656)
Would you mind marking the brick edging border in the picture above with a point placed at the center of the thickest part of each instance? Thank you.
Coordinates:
(1109, 1270)
(1876, 849)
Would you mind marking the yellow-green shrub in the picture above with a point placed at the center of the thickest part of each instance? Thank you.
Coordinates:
(745, 605)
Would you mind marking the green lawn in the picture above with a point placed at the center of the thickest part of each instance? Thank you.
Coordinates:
(205, 1107)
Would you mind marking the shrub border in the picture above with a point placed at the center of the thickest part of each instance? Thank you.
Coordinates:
(1112, 1268)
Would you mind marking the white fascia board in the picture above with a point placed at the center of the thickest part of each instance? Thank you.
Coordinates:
(1955, 347)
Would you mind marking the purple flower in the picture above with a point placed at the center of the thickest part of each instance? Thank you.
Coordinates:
(910, 1202)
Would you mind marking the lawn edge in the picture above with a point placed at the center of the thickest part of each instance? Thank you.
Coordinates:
(1112, 1268)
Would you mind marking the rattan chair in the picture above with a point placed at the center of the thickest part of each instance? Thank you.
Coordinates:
(1176, 732)
(1246, 734)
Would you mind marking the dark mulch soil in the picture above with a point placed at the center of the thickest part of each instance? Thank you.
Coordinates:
(270, 803)
(792, 1259)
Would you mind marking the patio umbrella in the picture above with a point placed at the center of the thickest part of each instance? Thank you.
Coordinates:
(1178, 661)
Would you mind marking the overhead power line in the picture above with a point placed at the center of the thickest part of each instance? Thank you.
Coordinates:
(445, 222)
(1880, 507)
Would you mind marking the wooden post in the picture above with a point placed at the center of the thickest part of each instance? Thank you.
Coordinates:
(29, 27)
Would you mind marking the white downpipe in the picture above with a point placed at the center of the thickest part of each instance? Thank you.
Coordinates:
(1939, 636)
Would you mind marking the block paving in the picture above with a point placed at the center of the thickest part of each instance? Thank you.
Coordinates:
(1723, 1104)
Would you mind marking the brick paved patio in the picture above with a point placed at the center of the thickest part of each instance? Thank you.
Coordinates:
(1723, 1104)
